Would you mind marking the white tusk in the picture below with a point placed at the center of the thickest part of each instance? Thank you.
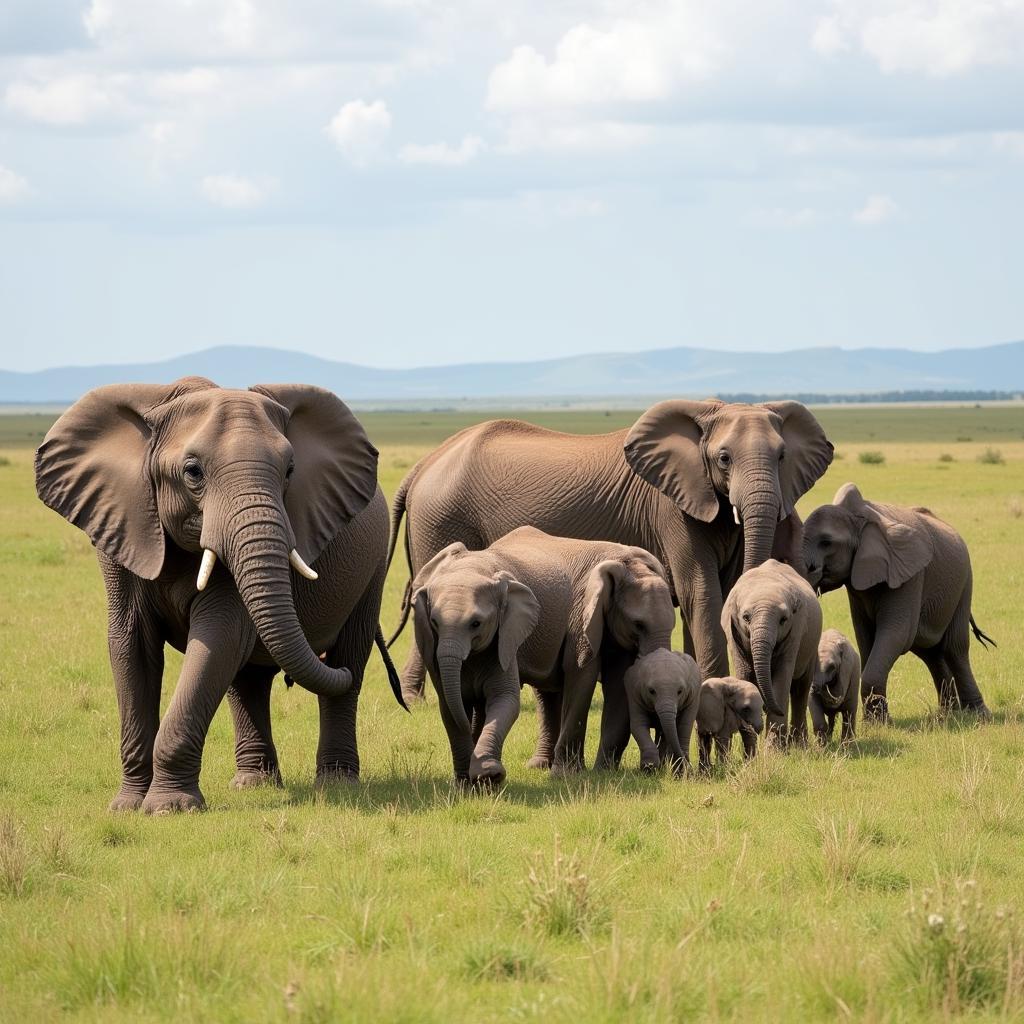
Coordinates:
(205, 568)
(303, 570)
(736, 515)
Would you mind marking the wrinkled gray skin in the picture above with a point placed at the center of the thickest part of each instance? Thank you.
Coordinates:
(773, 621)
(155, 474)
(728, 706)
(548, 611)
(835, 689)
(675, 484)
(663, 693)
(908, 579)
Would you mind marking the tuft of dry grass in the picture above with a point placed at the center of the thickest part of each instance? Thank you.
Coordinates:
(562, 896)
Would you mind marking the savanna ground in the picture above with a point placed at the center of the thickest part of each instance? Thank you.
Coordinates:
(876, 883)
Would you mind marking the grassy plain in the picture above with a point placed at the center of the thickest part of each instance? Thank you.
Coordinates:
(876, 883)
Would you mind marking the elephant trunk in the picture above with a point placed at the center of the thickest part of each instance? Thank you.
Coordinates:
(654, 642)
(256, 550)
(762, 643)
(667, 717)
(449, 663)
(759, 505)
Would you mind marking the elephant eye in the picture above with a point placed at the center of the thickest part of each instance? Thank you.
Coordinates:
(746, 616)
(639, 625)
(650, 690)
(474, 623)
(193, 472)
(783, 619)
(724, 459)
(782, 455)
(288, 472)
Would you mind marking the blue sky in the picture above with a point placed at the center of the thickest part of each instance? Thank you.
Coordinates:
(401, 182)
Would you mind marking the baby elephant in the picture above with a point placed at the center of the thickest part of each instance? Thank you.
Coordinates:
(772, 621)
(908, 580)
(835, 689)
(728, 706)
(663, 691)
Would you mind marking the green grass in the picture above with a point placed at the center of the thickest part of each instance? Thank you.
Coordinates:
(797, 887)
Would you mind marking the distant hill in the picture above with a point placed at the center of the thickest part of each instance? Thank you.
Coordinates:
(661, 372)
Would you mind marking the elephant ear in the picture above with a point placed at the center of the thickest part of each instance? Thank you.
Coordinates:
(597, 598)
(712, 706)
(520, 612)
(663, 447)
(423, 630)
(93, 468)
(808, 451)
(335, 465)
(888, 551)
(787, 547)
(423, 577)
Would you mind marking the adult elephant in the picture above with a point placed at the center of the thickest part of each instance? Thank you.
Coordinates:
(709, 488)
(198, 500)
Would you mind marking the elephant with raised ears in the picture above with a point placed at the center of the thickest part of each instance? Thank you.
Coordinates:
(909, 583)
(553, 612)
(835, 689)
(728, 706)
(209, 509)
(708, 488)
(773, 621)
(663, 692)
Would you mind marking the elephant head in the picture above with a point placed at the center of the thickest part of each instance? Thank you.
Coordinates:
(662, 683)
(631, 598)
(251, 478)
(759, 458)
(717, 696)
(759, 616)
(861, 543)
(460, 609)
(838, 664)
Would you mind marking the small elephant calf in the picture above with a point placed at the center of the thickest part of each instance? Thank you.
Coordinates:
(663, 691)
(728, 706)
(835, 688)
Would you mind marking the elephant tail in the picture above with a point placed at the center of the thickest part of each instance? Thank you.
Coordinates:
(983, 638)
(398, 510)
(389, 665)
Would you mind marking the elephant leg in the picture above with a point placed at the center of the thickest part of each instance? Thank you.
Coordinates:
(798, 696)
(499, 712)
(822, 728)
(549, 713)
(874, 680)
(942, 676)
(255, 755)
(137, 662)
(956, 644)
(749, 740)
(414, 674)
(700, 605)
(615, 710)
(572, 735)
(723, 741)
(849, 726)
(221, 638)
(337, 753)
(704, 752)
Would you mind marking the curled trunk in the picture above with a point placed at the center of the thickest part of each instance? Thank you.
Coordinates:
(449, 664)
(256, 546)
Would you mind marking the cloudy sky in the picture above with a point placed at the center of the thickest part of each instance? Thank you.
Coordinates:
(403, 182)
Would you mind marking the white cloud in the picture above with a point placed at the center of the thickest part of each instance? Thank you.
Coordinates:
(441, 153)
(13, 187)
(234, 192)
(631, 60)
(781, 217)
(932, 37)
(195, 83)
(73, 99)
(360, 129)
(878, 209)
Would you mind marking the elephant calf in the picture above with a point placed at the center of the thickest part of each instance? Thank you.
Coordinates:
(663, 692)
(550, 611)
(773, 622)
(908, 579)
(728, 706)
(835, 689)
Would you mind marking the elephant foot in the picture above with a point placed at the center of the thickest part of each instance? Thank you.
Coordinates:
(539, 761)
(338, 775)
(565, 769)
(127, 799)
(173, 801)
(488, 773)
(249, 778)
(981, 711)
(649, 767)
(876, 708)
(414, 693)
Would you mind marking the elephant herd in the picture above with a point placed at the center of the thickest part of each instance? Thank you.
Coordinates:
(247, 530)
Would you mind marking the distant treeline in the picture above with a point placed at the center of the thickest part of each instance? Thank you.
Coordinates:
(817, 398)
